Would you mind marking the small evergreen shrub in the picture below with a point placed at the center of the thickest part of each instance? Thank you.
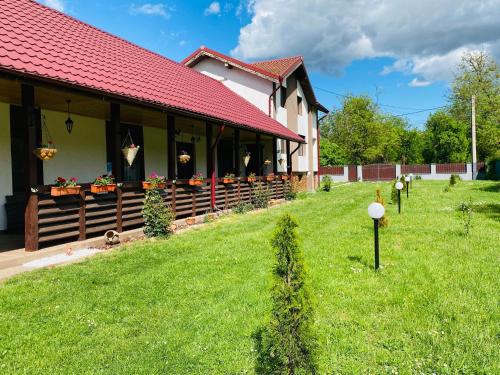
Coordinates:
(466, 210)
(290, 191)
(447, 189)
(402, 180)
(242, 207)
(261, 195)
(326, 183)
(289, 344)
(418, 177)
(454, 178)
(158, 216)
(384, 221)
(394, 192)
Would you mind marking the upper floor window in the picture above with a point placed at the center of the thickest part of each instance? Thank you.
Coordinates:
(283, 96)
(301, 149)
(299, 105)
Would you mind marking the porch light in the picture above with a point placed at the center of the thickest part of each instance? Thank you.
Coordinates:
(69, 122)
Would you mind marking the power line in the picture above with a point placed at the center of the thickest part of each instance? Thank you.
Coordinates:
(417, 110)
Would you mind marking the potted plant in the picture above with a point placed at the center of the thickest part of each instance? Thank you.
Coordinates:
(63, 186)
(228, 178)
(251, 177)
(46, 151)
(184, 157)
(103, 184)
(154, 181)
(196, 179)
(270, 177)
(284, 177)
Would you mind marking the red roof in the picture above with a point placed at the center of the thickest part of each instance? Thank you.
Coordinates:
(44, 43)
(280, 67)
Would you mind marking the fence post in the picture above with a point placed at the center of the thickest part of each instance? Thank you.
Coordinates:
(360, 172)
(82, 225)
(346, 172)
(119, 209)
(433, 170)
(173, 206)
(31, 223)
(398, 170)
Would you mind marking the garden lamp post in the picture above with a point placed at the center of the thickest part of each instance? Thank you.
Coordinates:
(399, 187)
(407, 180)
(376, 211)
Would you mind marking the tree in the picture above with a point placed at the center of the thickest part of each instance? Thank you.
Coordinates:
(478, 74)
(289, 343)
(331, 153)
(158, 217)
(446, 139)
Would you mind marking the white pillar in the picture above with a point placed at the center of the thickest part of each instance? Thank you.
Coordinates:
(360, 172)
(346, 173)
(433, 170)
(398, 170)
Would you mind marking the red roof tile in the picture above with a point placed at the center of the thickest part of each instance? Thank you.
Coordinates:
(280, 67)
(41, 42)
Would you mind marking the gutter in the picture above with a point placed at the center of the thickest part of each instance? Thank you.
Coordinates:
(280, 80)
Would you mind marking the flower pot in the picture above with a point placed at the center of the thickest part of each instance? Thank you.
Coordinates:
(149, 185)
(228, 180)
(269, 178)
(251, 179)
(111, 187)
(98, 189)
(184, 158)
(45, 153)
(130, 153)
(284, 177)
(193, 182)
(190, 220)
(57, 191)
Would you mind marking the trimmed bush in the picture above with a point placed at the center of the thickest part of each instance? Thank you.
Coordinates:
(242, 207)
(158, 216)
(384, 221)
(394, 192)
(454, 178)
(290, 190)
(326, 183)
(261, 194)
(288, 344)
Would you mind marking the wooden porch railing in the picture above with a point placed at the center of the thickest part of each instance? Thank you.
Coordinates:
(51, 220)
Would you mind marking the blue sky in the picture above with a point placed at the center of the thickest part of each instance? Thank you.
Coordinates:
(381, 69)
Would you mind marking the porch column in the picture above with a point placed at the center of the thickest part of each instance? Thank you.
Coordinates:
(117, 142)
(208, 130)
(171, 146)
(259, 154)
(30, 168)
(275, 155)
(288, 159)
(237, 146)
(213, 149)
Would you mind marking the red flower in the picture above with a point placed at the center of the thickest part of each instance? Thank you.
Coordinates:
(73, 179)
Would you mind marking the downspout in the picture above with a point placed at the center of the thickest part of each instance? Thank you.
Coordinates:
(317, 140)
(212, 150)
(274, 93)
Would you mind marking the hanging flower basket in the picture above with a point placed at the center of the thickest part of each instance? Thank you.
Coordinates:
(281, 161)
(246, 159)
(184, 157)
(45, 153)
(129, 149)
(47, 150)
(267, 162)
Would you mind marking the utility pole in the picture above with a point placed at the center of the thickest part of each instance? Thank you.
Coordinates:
(473, 130)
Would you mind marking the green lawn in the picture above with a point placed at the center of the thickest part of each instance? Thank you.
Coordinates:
(191, 304)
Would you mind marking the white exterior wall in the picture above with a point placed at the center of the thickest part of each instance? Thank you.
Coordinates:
(303, 124)
(155, 151)
(5, 161)
(254, 89)
(315, 140)
(81, 154)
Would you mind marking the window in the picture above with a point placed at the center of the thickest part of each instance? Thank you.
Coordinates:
(299, 105)
(301, 149)
(283, 96)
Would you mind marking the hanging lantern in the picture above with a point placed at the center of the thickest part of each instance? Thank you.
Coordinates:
(246, 159)
(281, 160)
(69, 121)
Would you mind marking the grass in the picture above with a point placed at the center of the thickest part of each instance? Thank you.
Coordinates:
(191, 304)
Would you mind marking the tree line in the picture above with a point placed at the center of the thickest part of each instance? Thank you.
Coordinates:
(360, 133)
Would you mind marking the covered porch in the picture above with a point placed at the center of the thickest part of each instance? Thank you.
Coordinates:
(31, 109)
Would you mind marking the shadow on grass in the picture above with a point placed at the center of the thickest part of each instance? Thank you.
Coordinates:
(360, 260)
(491, 210)
(495, 188)
(263, 361)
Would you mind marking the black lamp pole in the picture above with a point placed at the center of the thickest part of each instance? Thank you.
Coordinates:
(375, 229)
(407, 189)
(399, 201)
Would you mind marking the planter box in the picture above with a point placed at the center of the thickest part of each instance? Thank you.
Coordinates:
(270, 178)
(251, 179)
(195, 182)
(61, 191)
(102, 189)
(149, 185)
(284, 177)
(228, 181)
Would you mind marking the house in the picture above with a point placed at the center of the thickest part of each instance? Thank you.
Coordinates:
(91, 94)
(281, 89)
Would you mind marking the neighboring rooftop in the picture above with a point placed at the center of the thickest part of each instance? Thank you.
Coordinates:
(274, 70)
(37, 41)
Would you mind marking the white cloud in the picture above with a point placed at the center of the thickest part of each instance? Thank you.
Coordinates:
(151, 9)
(425, 37)
(416, 82)
(213, 8)
(56, 4)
